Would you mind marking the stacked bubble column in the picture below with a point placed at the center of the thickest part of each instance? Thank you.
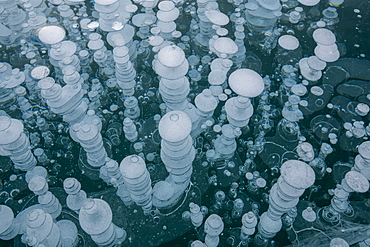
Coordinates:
(249, 223)
(296, 176)
(206, 104)
(205, 25)
(102, 56)
(70, 61)
(8, 227)
(247, 84)
(70, 71)
(35, 19)
(132, 110)
(326, 48)
(124, 69)
(177, 151)
(11, 79)
(362, 160)
(129, 129)
(15, 144)
(196, 216)
(108, 14)
(326, 51)
(7, 95)
(172, 65)
(177, 154)
(127, 35)
(16, 15)
(61, 50)
(218, 75)
(261, 17)
(53, 35)
(166, 15)
(66, 101)
(76, 196)
(239, 34)
(225, 144)
(41, 230)
(95, 218)
(73, 79)
(23, 102)
(50, 204)
(91, 141)
(353, 181)
(224, 48)
(111, 174)
(138, 182)
(213, 227)
(311, 68)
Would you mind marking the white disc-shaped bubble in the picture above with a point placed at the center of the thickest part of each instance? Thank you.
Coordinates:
(217, 17)
(175, 126)
(356, 181)
(246, 82)
(288, 42)
(315, 63)
(225, 45)
(51, 34)
(309, 2)
(324, 36)
(297, 174)
(326, 54)
(171, 56)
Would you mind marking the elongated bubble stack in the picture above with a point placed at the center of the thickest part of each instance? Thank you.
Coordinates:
(8, 228)
(225, 144)
(326, 49)
(311, 68)
(125, 72)
(66, 100)
(15, 144)
(96, 220)
(205, 25)
(206, 103)
(166, 15)
(213, 227)
(296, 176)
(91, 140)
(49, 203)
(172, 66)
(137, 180)
(249, 221)
(177, 153)
(53, 36)
(129, 129)
(41, 229)
(218, 75)
(109, 14)
(76, 196)
(353, 181)
(262, 15)
(362, 160)
(247, 84)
